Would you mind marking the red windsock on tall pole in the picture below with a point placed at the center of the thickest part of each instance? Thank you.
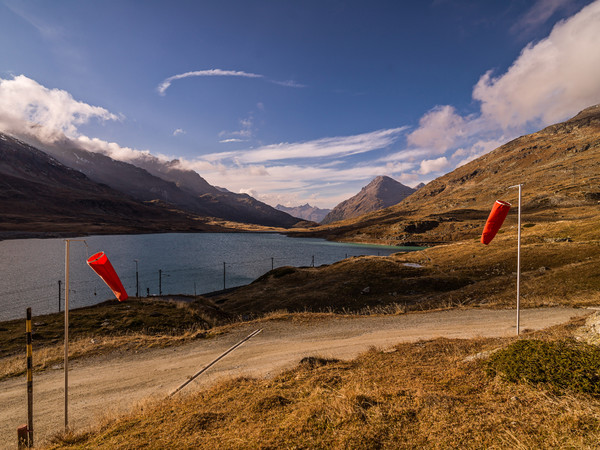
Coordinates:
(495, 221)
(101, 265)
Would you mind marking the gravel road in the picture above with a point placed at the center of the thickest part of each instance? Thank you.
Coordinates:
(114, 383)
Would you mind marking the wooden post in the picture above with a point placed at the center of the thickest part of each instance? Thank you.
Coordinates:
(22, 437)
(29, 381)
(59, 290)
(159, 281)
(272, 263)
(224, 276)
(66, 357)
(137, 279)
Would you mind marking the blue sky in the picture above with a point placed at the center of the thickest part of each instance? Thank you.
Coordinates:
(296, 101)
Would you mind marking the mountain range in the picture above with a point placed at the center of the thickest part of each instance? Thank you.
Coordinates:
(40, 194)
(149, 179)
(380, 193)
(306, 212)
(66, 189)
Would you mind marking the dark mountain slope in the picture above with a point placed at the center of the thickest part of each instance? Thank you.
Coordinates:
(183, 189)
(39, 194)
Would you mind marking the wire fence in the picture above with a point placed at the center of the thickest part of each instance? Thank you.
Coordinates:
(195, 280)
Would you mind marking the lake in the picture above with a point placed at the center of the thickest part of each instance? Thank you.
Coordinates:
(189, 263)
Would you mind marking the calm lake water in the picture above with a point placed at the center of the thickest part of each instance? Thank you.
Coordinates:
(30, 269)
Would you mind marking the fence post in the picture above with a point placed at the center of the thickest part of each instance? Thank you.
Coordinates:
(159, 281)
(59, 283)
(22, 437)
(223, 275)
(313, 261)
(272, 263)
(29, 381)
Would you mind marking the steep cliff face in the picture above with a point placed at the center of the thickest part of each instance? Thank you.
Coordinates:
(380, 193)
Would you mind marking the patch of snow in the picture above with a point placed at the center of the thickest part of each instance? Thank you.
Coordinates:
(415, 265)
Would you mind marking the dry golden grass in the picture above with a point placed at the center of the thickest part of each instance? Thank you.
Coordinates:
(419, 395)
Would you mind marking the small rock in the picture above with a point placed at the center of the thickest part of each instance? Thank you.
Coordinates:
(93, 341)
(366, 290)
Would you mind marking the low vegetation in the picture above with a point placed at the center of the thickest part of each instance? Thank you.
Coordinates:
(429, 394)
(561, 366)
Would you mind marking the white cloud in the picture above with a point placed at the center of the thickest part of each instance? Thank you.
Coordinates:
(479, 148)
(162, 87)
(438, 129)
(227, 141)
(539, 13)
(47, 30)
(319, 148)
(27, 107)
(433, 165)
(111, 149)
(550, 80)
(178, 131)
(246, 130)
(288, 83)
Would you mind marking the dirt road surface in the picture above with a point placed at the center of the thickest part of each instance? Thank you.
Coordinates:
(114, 383)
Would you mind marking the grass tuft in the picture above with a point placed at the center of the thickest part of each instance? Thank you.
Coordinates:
(563, 365)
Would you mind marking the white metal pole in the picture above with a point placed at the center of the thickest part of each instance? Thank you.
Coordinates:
(518, 261)
(519, 266)
(66, 363)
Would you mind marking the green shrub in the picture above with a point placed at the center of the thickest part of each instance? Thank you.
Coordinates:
(560, 365)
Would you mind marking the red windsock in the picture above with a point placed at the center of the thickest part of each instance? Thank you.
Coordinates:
(495, 220)
(102, 266)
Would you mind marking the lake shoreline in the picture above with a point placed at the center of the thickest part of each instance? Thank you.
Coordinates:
(164, 263)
